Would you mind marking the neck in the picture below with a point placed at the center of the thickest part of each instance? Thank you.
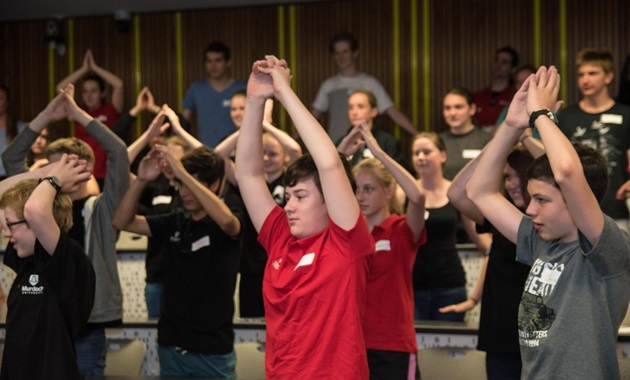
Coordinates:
(198, 215)
(377, 218)
(597, 103)
(222, 83)
(462, 129)
(499, 84)
(350, 71)
(80, 193)
(432, 182)
(272, 177)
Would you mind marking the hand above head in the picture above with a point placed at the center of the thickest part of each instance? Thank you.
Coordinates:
(368, 137)
(172, 166)
(149, 168)
(73, 111)
(352, 142)
(260, 84)
(87, 60)
(157, 126)
(172, 118)
(543, 89)
(517, 115)
(70, 171)
(279, 71)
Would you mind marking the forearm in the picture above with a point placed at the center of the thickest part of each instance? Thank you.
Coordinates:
(477, 292)
(458, 196)
(293, 149)
(126, 210)
(190, 140)
(72, 78)
(228, 145)
(534, 146)
(405, 180)
(402, 120)
(137, 146)
(249, 151)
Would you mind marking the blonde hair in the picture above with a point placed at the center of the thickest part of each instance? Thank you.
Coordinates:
(71, 145)
(383, 176)
(17, 196)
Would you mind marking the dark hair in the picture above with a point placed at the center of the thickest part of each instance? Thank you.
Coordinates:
(344, 37)
(463, 92)
(218, 47)
(204, 163)
(236, 93)
(520, 160)
(96, 78)
(370, 97)
(594, 165)
(304, 168)
(511, 51)
(11, 131)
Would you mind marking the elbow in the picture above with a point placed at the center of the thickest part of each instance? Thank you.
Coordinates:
(232, 228)
(565, 171)
(34, 210)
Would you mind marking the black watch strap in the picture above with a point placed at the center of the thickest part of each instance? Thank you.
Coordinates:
(53, 181)
(546, 112)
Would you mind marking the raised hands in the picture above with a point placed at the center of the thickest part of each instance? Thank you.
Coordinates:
(269, 76)
(149, 168)
(352, 142)
(543, 89)
(70, 170)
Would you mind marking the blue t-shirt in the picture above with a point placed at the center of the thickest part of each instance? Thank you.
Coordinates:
(212, 109)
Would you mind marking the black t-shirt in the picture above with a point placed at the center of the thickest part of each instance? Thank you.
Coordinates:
(199, 279)
(437, 263)
(502, 291)
(50, 300)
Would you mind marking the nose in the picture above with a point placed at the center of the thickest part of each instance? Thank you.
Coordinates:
(7, 232)
(531, 209)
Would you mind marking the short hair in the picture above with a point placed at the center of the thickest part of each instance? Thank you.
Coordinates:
(370, 96)
(383, 176)
(204, 163)
(71, 145)
(463, 92)
(304, 168)
(218, 47)
(16, 198)
(96, 78)
(520, 159)
(601, 58)
(594, 165)
(344, 37)
(511, 51)
(236, 93)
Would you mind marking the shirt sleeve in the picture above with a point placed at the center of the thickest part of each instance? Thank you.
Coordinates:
(321, 99)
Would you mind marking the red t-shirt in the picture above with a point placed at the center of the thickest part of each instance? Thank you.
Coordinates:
(314, 294)
(107, 115)
(489, 105)
(389, 309)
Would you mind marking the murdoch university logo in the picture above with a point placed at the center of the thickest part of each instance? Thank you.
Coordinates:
(33, 280)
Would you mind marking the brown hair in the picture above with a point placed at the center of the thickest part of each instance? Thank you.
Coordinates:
(71, 145)
(17, 196)
(601, 58)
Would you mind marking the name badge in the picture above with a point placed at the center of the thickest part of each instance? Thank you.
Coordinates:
(227, 103)
(383, 245)
(470, 154)
(162, 200)
(367, 153)
(203, 242)
(608, 118)
(306, 260)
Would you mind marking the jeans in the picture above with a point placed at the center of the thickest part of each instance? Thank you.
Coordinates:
(427, 303)
(152, 295)
(91, 348)
(506, 366)
(175, 362)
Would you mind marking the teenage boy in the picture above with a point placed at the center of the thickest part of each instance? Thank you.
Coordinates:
(209, 99)
(599, 122)
(92, 227)
(317, 248)
(576, 294)
(195, 334)
(332, 96)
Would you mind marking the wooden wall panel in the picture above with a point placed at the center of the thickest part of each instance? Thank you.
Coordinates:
(463, 35)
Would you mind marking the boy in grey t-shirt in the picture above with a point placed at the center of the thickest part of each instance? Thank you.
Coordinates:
(577, 293)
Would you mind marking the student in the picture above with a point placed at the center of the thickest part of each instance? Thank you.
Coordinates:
(577, 291)
(362, 109)
(314, 285)
(92, 216)
(195, 334)
(439, 278)
(463, 140)
(502, 278)
(390, 335)
(209, 99)
(332, 96)
(93, 97)
(601, 123)
(491, 100)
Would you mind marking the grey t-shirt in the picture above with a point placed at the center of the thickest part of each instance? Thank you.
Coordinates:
(574, 300)
(462, 148)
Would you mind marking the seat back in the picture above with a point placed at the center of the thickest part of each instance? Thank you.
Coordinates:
(126, 360)
(452, 363)
(250, 360)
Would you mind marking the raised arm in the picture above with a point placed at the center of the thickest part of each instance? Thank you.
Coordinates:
(413, 191)
(341, 202)
(249, 150)
(177, 128)
(225, 149)
(78, 74)
(458, 196)
(38, 210)
(155, 129)
(118, 95)
(565, 163)
(290, 146)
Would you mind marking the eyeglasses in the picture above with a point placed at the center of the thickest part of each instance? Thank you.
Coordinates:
(11, 224)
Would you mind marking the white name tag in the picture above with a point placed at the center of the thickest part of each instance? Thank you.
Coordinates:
(227, 102)
(367, 153)
(470, 154)
(203, 242)
(383, 245)
(162, 200)
(608, 118)
(306, 260)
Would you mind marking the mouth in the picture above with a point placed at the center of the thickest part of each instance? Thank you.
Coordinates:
(537, 226)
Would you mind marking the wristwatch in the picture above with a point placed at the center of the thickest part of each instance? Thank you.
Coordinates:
(547, 112)
(54, 181)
